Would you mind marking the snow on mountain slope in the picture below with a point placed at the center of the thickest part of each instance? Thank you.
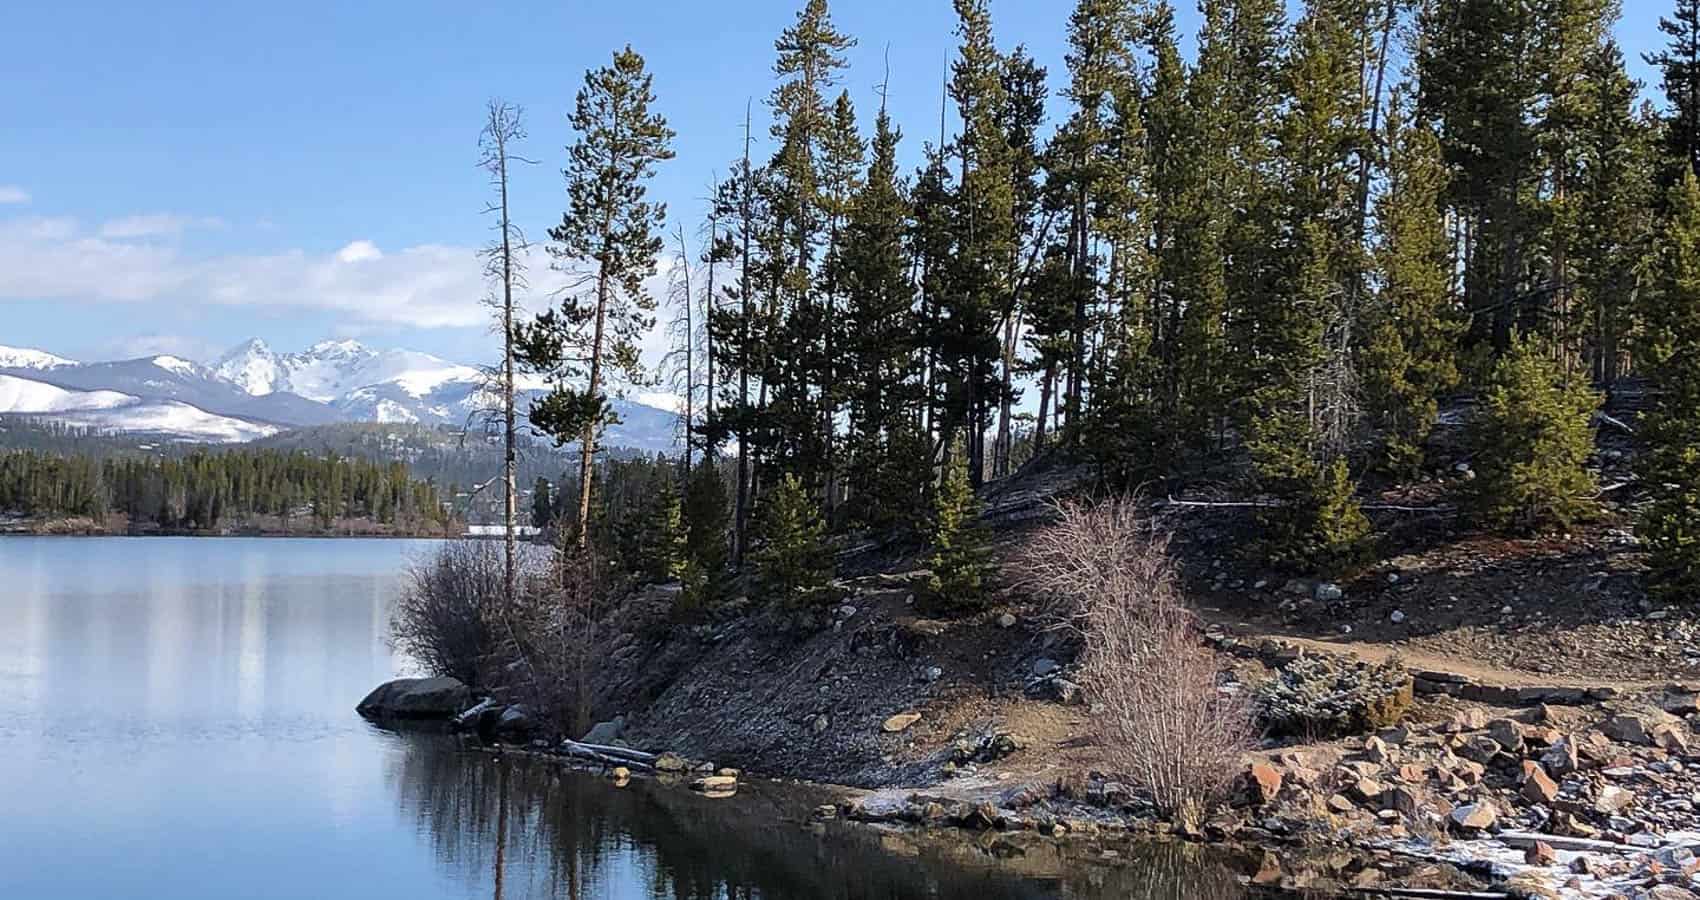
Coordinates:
(21, 395)
(111, 411)
(26, 358)
(169, 417)
(330, 370)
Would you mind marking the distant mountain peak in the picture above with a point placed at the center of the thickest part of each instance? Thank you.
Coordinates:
(29, 358)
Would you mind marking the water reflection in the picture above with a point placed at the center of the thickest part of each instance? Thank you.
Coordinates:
(525, 828)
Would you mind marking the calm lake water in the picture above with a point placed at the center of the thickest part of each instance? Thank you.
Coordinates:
(176, 721)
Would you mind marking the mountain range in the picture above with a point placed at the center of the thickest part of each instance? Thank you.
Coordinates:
(254, 392)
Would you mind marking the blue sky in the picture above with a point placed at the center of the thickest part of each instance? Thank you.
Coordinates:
(177, 177)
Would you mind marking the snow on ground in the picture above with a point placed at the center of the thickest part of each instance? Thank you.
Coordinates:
(21, 395)
(172, 418)
(176, 365)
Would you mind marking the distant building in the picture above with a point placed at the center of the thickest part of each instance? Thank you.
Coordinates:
(496, 531)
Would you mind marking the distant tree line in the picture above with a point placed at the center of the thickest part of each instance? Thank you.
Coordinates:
(207, 490)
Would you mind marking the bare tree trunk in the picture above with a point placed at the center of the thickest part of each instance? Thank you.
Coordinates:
(587, 445)
(502, 127)
(741, 515)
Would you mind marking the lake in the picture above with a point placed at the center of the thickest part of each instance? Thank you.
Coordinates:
(176, 721)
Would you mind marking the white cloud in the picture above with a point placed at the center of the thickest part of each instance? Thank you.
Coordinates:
(12, 194)
(425, 286)
(359, 251)
(155, 225)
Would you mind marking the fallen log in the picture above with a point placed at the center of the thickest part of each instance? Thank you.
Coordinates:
(625, 755)
(1523, 840)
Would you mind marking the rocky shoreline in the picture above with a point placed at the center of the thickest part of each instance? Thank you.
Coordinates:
(1595, 799)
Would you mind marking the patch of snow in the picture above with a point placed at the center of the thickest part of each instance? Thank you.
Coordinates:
(176, 365)
(172, 418)
(21, 395)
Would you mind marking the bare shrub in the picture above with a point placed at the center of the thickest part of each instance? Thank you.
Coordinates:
(447, 617)
(1159, 711)
(557, 630)
(1091, 549)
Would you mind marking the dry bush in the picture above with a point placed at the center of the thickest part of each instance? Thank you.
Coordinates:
(1164, 722)
(556, 632)
(448, 616)
(1091, 549)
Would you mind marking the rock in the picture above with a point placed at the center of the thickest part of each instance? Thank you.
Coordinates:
(1612, 800)
(727, 772)
(1264, 782)
(671, 762)
(416, 698)
(1065, 692)
(1508, 734)
(1561, 758)
(1629, 728)
(1044, 666)
(1670, 738)
(1466, 720)
(847, 611)
(900, 722)
(714, 784)
(1473, 817)
(605, 732)
(1366, 790)
(1679, 701)
(1481, 749)
(1006, 621)
(1398, 617)
(1538, 787)
(932, 674)
(1541, 854)
(514, 720)
(619, 773)
(1328, 592)
(819, 724)
(1340, 804)
(1269, 873)
(1375, 750)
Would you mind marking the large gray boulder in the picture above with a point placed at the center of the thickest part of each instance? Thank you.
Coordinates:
(416, 698)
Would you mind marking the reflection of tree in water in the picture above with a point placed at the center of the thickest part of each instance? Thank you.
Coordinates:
(570, 836)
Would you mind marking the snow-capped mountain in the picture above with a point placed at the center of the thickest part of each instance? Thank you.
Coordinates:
(253, 391)
(363, 384)
(330, 370)
(26, 358)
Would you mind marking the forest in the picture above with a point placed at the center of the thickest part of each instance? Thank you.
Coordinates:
(1264, 262)
(209, 491)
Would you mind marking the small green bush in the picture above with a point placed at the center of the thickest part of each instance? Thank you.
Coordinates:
(1322, 696)
(1531, 436)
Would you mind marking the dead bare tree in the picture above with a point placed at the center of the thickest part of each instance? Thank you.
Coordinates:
(504, 268)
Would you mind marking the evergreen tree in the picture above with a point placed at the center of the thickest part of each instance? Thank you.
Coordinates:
(707, 512)
(662, 551)
(1670, 351)
(957, 544)
(792, 562)
(611, 230)
(883, 371)
(542, 505)
(984, 221)
(1532, 436)
(1679, 71)
(1408, 357)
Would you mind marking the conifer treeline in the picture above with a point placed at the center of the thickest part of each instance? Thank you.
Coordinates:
(207, 491)
(1292, 244)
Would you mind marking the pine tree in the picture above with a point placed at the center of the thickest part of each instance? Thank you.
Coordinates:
(662, 550)
(957, 544)
(883, 371)
(984, 221)
(1679, 70)
(707, 512)
(792, 562)
(1532, 436)
(542, 505)
(1408, 357)
(611, 230)
(1670, 354)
